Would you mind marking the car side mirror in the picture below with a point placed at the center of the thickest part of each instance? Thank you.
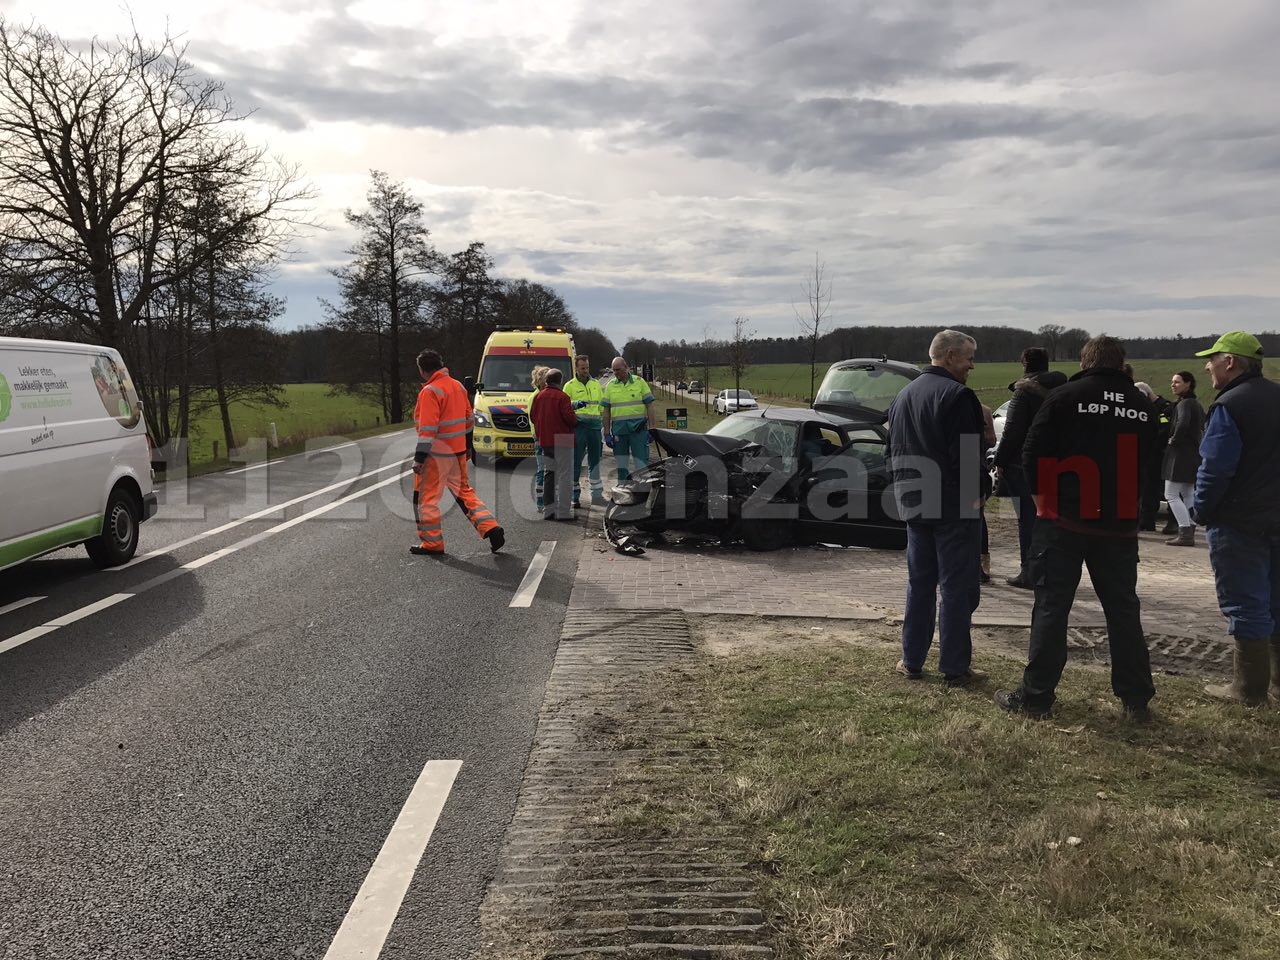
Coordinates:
(477, 386)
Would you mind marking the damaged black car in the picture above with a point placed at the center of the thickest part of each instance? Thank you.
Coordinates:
(777, 476)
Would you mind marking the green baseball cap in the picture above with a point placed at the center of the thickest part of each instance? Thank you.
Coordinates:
(1238, 342)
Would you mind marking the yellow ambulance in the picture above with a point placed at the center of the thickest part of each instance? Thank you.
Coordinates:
(504, 387)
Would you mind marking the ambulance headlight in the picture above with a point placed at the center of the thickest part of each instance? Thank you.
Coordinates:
(482, 420)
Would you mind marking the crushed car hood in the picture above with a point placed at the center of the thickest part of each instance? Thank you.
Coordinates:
(682, 443)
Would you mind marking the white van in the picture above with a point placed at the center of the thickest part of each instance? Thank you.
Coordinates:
(75, 464)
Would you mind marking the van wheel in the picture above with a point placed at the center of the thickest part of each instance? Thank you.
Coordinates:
(119, 539)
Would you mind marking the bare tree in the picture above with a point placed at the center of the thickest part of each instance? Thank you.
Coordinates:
(384, 291)
(96, 145)
(740, 352)
(812, 319)
(1051, 334)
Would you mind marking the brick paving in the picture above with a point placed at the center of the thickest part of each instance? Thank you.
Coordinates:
(1174, 583)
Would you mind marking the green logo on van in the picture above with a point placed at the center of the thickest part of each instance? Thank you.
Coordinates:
(6, 399)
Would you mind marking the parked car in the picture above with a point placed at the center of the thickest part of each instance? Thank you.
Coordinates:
(731, 401)
(695, 386)
(998, 417)
(75, 461)
(682, 385)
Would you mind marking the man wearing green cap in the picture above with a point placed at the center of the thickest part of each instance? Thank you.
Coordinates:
(1237, 500)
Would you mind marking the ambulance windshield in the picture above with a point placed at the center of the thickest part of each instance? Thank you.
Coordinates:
(516, 373)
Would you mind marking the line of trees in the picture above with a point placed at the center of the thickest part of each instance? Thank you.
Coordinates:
(671, 358)
(398, 292)
(134, 214)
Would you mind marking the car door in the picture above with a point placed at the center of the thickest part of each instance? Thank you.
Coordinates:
(846, 497)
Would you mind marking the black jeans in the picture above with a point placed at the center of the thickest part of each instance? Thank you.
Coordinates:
(1055, 561)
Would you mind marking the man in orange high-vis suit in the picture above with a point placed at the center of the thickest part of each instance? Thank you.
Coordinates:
(443, 416)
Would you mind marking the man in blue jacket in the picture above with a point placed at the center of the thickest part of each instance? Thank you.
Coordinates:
(935, 445)
(1237, 500)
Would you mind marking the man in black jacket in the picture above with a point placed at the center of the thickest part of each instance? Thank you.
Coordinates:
(1237, 500)
(1029, 392)
(1083, 453)
(935, 442)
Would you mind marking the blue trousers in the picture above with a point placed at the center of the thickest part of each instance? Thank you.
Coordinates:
(1246, 572)
(942, 558)
(631, 450)
(539, 474)
(589, 443)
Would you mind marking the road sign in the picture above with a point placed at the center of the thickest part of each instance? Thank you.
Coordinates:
(677, 418)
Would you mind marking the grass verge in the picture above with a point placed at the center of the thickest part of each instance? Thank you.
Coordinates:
(900, 819)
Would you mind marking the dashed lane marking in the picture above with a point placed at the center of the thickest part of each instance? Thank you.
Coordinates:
(162, 551)
(306, 453)
(533, 576)
(98, 606)
(19, 604)
(364, 929)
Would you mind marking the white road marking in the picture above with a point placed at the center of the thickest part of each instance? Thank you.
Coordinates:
(364, 929)
(19, 604)
(99, 605)
(305, 453)
(533, 576)
(162, 551)
(88, 610)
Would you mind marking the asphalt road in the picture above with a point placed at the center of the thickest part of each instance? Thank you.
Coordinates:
(211, 766)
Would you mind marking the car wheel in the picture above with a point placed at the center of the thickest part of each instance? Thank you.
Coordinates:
(764, 535)
(118, 541)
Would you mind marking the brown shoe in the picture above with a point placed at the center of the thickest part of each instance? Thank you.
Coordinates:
(969, 678)
(1186, 538)
(907, 672)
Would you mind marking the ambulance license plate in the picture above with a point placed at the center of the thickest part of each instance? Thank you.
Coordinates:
(520, 449)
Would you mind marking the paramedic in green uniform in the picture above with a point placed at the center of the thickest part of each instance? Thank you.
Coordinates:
(628, 418)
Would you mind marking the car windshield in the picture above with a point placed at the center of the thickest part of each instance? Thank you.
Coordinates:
(516, 373)
(778, 437)
(741, 394)
(865, 385)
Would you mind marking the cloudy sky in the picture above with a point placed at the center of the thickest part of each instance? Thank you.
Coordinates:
(1110, 164)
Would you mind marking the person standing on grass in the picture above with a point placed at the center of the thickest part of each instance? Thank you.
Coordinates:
(628, 418)
(1083, 454)
(1182, 457)
(935, 442)
(1237, 501)
(554, 422)
(1029, 392)
(587, 395)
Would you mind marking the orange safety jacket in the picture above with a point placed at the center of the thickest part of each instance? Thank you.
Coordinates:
(443, 416)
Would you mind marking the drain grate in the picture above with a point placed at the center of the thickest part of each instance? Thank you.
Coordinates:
(571, 886)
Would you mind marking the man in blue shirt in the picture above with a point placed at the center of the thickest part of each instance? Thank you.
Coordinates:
(1237, 500)
(935, 444)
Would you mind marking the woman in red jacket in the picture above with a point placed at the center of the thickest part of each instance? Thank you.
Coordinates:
(553, 424)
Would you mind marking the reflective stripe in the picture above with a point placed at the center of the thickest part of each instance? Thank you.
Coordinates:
(450, 423)
(423, 431)
(436, 390)
(445, 435)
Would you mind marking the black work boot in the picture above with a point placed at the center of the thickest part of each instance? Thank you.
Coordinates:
(1252, 674)
(1186, 538)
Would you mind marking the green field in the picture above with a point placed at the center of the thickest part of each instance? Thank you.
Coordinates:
(788, 383)
(309, 411)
